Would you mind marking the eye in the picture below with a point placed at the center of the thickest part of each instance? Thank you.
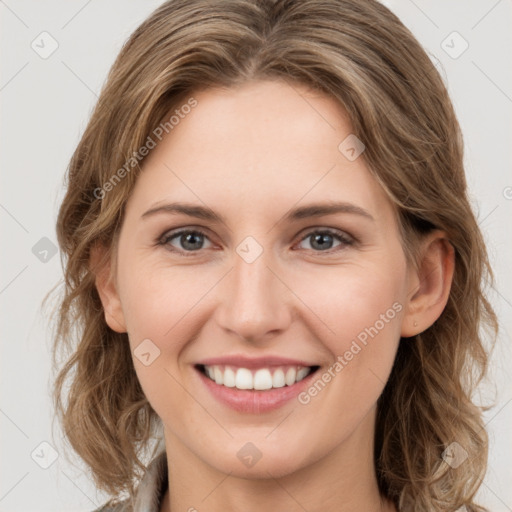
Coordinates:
(321, 240)
(187, 240)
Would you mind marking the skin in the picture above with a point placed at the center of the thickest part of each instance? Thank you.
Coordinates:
(251, 154)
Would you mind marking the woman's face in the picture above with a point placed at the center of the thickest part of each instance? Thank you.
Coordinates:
(260, 283)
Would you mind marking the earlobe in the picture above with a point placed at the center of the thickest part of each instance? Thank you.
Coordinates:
(100, 265)
(430, 284)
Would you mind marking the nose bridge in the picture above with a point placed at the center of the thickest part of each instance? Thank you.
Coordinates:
(253, 302)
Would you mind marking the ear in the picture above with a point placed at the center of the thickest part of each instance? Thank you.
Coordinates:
(101, 266)
(430, 284)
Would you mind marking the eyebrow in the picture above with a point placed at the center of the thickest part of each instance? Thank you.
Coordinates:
(303, 212)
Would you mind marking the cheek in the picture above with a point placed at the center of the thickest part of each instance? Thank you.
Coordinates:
(352, 301)
(363, 307)
(160, 305)
(157, 300)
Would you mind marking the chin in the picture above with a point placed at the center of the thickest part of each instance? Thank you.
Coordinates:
(269, 466)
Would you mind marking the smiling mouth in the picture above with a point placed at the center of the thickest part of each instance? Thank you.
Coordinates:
(260, 379)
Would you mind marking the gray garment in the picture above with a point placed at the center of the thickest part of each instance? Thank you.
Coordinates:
(150, 492)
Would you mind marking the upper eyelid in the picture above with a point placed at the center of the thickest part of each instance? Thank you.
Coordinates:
(171, 233)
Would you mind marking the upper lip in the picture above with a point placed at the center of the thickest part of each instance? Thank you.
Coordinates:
(242, 361)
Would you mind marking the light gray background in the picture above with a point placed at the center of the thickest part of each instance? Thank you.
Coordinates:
(45, 104)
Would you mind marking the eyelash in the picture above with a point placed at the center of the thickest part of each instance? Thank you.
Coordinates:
(166, 237)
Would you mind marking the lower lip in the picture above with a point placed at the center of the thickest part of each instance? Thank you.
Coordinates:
(253, 401)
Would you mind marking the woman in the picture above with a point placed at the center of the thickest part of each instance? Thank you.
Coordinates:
(274, 268)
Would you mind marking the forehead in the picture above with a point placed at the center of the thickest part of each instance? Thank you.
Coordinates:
(257, 147)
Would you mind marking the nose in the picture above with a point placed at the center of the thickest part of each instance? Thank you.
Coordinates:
(254, 302)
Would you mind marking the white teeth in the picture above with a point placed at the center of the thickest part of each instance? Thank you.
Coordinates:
(243, 379)
(291, 374)
(219, 375)
(229, 378)
(302, 373)
(278, 379)
(260, 379)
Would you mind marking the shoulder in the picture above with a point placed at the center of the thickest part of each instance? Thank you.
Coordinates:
(150, 492)
(119, 507)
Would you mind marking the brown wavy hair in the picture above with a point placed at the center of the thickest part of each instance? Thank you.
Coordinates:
(360, 54)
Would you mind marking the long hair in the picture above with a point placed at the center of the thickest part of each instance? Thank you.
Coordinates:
(359, 53)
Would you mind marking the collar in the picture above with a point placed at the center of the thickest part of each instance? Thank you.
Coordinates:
(152, 487)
